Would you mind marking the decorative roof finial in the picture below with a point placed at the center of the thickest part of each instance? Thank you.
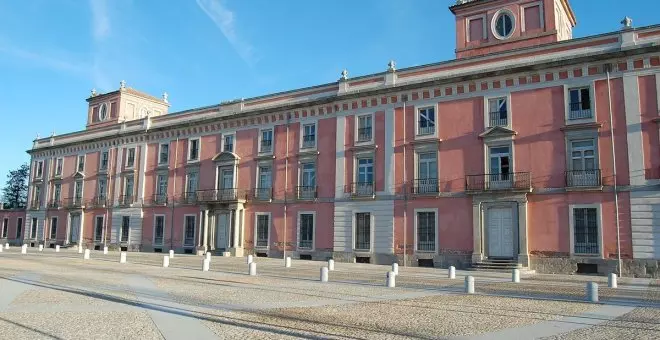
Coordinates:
(94, 93)
(344, 75)
(122, 85)
(37, 136)
(391, 66)
(165, 95)
(626, 22)
(52, 133)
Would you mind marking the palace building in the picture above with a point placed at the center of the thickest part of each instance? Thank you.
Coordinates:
(530, 149)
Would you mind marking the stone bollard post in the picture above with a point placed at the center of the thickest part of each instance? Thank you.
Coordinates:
(1, 249)
(171, 254)
(122, 257)
(206, 263)
(592, 292)
(452, 272)
(469, 285)
(208, 256)
(390, 280)
(252, 269)
(80, 250)
(324, 274)
(41, 247)
(6, 245)
(24, 249)
(515, 276)
(86, 256)
(166, 261)
(395, 268)
(331, 264)
(57, 248)
(287, 262)
(250, 259)
(611, 281)
(105, 250)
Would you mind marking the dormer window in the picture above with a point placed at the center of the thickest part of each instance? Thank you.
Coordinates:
(503, 24)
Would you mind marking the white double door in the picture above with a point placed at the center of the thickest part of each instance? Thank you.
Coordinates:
(500, 232)
(222, 231)
(74, 231)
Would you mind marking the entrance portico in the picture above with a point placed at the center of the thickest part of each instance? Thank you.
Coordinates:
(223, 228)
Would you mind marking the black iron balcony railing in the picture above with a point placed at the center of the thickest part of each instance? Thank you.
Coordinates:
(306, 192)
(309, 141)
(579, 110)
(55, 204)
(73, 202)
(497, 118)
(126, 200)
(266, 145)
(35, 204)
(505, 181)
(159, 199)
(425, 186)
(263, 194)
(426, 129)
(97, 202)
(362, 189)
(426, 245)
(583, 178)
(221, 195)
(189, 197)
(305, 244)
(364, 134)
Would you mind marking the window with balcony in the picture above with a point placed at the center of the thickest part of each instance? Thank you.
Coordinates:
(101, 193)
(307, 188)
(127, 198)
(81, 163)
(189, 231)
(306, 231)
(584, 171)
(579, 105)
(264, 182)
(164, 154)
(364, 128)
(266, 143)
(427, 173)
(19, 228)
(497, 112)
(309, 136)
(5, 227)
(104, 161)
(98, 229)
(39, 169)
(161, 189)
(57, 195)
(227, 179)
(585, 223)
(364, 186)
(36, 197)
(159, 230)
(130, 158)
(33, 228)
(263, 229)
(193, 150)
(362, 232)
(78, 192)
(58, 166)
(53, 228)
(125, 228)
(426, 231)
(192, 179)
(426, 121)
(500, 167)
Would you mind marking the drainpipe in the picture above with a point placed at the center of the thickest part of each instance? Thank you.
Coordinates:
(176, 156)
(286, 179)
(405, 188)
(616, 195)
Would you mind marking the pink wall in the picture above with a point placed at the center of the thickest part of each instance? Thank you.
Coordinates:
(379, 157)
(325, 177)
(620, 131)
(12, 218)
(170, 235)
(648, 104)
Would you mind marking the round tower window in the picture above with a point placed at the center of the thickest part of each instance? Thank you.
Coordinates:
(103, 112)
(503, 24)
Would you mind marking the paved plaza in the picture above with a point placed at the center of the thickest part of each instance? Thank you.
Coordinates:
(46, 295)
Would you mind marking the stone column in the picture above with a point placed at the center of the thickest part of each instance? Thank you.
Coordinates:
(237, 226)
(81, 230)
(200, 228)
(523, 252)
(476, 232)
(206, 230)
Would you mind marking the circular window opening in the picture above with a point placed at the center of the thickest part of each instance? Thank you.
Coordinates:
(103, 112)
(503, 25)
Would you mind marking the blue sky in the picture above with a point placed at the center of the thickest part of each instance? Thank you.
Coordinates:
(52, 53)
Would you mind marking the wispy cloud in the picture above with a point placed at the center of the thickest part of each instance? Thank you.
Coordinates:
(225, 20)
(46, 60)
(100, 19)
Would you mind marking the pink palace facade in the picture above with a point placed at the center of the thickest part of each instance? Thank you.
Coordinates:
(530, 149)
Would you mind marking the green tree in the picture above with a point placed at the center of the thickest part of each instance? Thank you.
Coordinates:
(14, 194)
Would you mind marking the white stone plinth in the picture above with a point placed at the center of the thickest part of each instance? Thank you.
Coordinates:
(166, 261)
(171, 254)
(612, 280)
(515, 276)
(331, 264)
(469, 285)
(122, 257)
(86, 256)
(41, 247)
(206, 263)
(452, 272)
(324, 274)
(592, 292)
(250, 259)
(252, 268)
(390, 280)
(57, 248)
(287, 262)
(105, 250)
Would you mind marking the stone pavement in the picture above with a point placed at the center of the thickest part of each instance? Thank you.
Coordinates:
(59, 295)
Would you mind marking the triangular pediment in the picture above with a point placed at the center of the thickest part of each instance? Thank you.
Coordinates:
(497, 131)
(226, 156)
(79, 174)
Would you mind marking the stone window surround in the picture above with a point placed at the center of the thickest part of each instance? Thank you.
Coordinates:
(571, 136)
(436, 121)
(121, 226)
(313, 247)
(436, 246)
(160, 149)
(571, 226)
(199, 149)
(493, 23)
(579, 83)
(495, 95)
(272, 140)
(264, 163)
(357, 129)
(484, 26)
(153, 239)
(256, 224)
(183, 231)
(222, 146)
(426, 148)
(372, 220)
(316, 134)
(96, 217)
(497, 142)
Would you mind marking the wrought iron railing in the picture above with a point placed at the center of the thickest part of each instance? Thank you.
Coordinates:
(305, 244)
(425, 186)
(495, 119)
(35, 204)
(362, 189)
(266, 145)
(425, 130)
(159, 199)
(579, 110)
(306, 192)
(189, 197)
(263, 194)
(73, 202)
(55, 204)
(221, 195)
(503, 181)
(126, 200)
(364, 134)
(584, 178)
(309, 141)
(97, 202)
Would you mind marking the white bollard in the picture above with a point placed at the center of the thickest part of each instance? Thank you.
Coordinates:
(452, 272)
(41, 247)
(515, 276)
(469, 285)
(206, 263)
(395, 268)
(250, 259)
(57, 248)
(611, 281)
(1, 249)
(324, 274)
(166, 261)
(208, 256)
(390, 280)
(252, 269)
(331, 264)
(592, 292)
(287, 262)
(86, 256)
(122, 257)
(171, 254)
(6, 245)
(105, 250)
(24, 249)
(80, 250)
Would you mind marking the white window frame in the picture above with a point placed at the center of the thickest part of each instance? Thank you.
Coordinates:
(121, 226)
(98, 187)
(96, 217)
(593, 136)
(50, 229)
(124, 191)
(302, 135)
(264, 164)
(187, 184)
(436, 121)
(256, 224)
(107, 113)
(571, 223)
(493, 24)
(34, 228)
(357, 129)
(128, 152)
(484, 28)
(84, 161)
(272, 141)
(199, 150)
(36, 195)
(5, 228)
(55, 185)
(509, 115)
(167, 179)
(160, 149)
(356, 166)
(567, 101)
(522, 14)
(39, 169)
(183, 238)
(59, 166)
(436, 243)
(107, 165)
(371, 231)
(82, 190)
(154, 230)
(496, 144)
(233, 144)
(299, 225)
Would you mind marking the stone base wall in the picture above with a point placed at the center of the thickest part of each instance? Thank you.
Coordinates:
(568, 265)
(374, 258)
(460, 261)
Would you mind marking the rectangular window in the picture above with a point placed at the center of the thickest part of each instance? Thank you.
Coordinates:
(497, 112)
(193, 149)
(189, 231)
(98, 229)
(191, 183)
(476, 27)
(128, 186)
(125, 228)
(77, 196)
(228, 143)
(39, 169)
(263, 224)
(53, 228)
(500, 165)
(363, 231)
(585, 229)
(36, 194)
(227, 179)
(130, 158)
(161, 189)
(306, 237)
(532, 16)
(309, 136)
(307, 187)
(5, 227)
(104, 161)
(427, 172)
(365, 176)
(583, 164)
(426, 121)
(164, 154)
(426, 231)
(364, 128)
(58, 166)
(81, 163)
(266, 141)
(265, 177)
(57, 193)
(19, 227)
(159, 230)
(102, 190)
(579, 103)
(33, 228)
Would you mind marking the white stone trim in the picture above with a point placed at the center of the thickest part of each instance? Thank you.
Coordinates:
(571, 230)
(222, 142)
(160, 149)
(372, 226)
(484, 28)
(522, 14)
(434, 135)
(128, 152)
(313, 213)
(498, 143)
(578, 83)
(634, 130)
(302, 135)
(509, 115)
(389, 151)
(493, 23)
(272, 142)
(356, 128)
(270, 224)
(96, 217)
(199, 150)
(436, 243)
